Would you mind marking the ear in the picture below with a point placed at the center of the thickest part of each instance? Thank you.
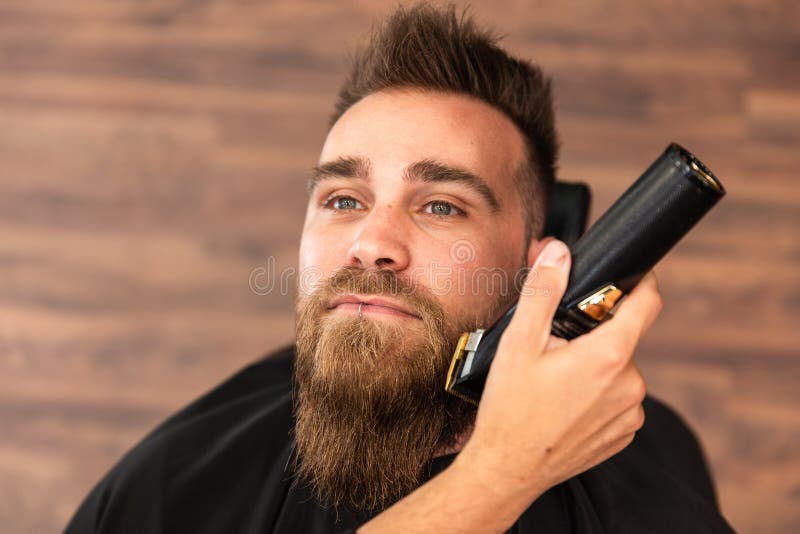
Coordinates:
(536, 248)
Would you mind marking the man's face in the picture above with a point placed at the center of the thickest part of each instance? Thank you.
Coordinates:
(448, 235)
(413, 234)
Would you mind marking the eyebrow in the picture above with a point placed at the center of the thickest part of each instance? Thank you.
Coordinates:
(426, 170)
(342, 167)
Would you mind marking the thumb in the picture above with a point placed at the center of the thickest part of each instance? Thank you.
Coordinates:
(541, 293)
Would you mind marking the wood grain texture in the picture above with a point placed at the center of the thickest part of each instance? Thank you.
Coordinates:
(153, 155)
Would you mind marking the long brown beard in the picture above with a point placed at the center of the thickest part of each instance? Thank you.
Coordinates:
(370, 403)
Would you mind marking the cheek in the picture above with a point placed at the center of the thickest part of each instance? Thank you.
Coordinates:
(469, 280)
(322, 246)
(308, 252)
(319, 256)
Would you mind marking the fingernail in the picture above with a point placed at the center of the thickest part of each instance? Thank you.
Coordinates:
(554, 254)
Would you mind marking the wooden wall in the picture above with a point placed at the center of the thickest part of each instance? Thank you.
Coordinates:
(152, 155)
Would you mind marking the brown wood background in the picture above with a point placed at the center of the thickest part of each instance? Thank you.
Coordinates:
(152, 155)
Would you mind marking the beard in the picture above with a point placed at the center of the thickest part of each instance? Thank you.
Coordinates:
(369, 400)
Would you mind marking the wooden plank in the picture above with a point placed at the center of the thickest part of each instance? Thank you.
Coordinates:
(153, 155)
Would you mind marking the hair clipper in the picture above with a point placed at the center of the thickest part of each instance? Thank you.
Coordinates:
(608, 260)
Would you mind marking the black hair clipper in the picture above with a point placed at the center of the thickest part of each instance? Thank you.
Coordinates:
(608, 260)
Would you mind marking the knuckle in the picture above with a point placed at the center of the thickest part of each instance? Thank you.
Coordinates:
(638, 389)
(638, 418)
(629, 438)
(622, 342)
(617, 354)
(623, 442)
(658, 302)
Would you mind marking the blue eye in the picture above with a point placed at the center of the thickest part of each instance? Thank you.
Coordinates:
(343, 203)
(442, 208)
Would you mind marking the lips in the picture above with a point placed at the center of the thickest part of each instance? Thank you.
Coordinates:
(370, 304)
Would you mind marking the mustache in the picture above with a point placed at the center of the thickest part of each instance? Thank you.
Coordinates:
(355, 280)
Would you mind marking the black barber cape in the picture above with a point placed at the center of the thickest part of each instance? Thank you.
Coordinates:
(220, 465)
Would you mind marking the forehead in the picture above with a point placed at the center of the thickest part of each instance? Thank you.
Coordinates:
(394, 128)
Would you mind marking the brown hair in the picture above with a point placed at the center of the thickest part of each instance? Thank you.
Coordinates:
(434, 50)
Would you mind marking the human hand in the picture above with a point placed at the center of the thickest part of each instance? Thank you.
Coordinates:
(552, 409)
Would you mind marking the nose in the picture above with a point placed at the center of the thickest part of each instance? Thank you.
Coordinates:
(380, 242)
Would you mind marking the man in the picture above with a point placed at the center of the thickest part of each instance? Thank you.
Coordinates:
(435, 171)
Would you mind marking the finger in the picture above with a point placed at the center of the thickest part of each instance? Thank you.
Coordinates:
(630, 387)
(541, 293)
(622, 428)
(642, 306)
(536, 248)
(631, 320)
(619, 445)
(627, 389)
(643, 303)
(607, 452)
(612, 437)
(629, 421)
